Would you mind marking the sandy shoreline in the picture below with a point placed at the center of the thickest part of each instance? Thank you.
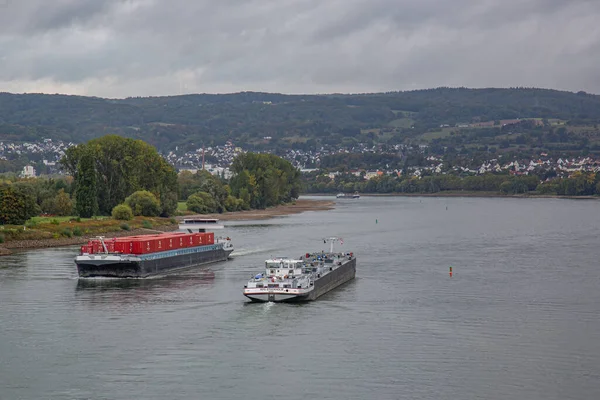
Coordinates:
(300, 206)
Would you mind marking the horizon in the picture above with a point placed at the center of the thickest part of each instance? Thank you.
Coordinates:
(300, 94)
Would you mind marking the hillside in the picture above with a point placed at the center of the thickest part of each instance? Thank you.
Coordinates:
(299, 121)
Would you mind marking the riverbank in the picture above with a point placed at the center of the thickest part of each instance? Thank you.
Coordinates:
(299, 206)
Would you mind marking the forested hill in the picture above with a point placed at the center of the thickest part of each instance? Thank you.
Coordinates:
(290, 120)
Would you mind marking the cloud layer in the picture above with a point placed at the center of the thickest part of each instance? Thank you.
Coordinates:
(118, 48)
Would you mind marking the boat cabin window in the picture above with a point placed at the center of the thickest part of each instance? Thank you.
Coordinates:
(200, 221)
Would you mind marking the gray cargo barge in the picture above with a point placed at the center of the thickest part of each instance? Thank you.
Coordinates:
(303, 279)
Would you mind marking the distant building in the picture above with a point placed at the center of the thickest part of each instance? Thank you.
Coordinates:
(28, 171)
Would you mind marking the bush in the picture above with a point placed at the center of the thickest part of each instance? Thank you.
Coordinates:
(173, 221)
(232, 203)
(67, 232)
(1, 237)
(125, 226)
(31, 224)
(147, 224)
(55, 222)
(17, 205)
(77, 231)
(63, 204)
(201, 203)
(122, 212)
(49, 206)
(144, 203)
(78, 219)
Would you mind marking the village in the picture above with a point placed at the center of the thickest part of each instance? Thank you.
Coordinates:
(42, 158)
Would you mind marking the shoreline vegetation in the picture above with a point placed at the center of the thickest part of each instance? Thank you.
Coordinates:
(469, 194)
(166, 225)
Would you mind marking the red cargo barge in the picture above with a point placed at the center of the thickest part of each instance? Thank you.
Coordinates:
(148, 255)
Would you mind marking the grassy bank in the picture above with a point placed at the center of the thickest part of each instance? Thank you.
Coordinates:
(40, 232)
(46, 231)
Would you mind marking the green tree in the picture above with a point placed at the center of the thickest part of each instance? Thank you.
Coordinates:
(13, 207)
(234, 204)
(62, 203)
(122, 166)
(269, 179)
(143, 203)
(202, 203)
(86, 192)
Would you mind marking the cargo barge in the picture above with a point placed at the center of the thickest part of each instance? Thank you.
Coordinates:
(149, 255)
(303, 279)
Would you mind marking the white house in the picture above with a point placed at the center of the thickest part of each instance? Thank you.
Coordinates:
(28, 171)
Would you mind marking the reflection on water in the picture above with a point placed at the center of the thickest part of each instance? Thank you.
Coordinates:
(103, 290)
(164, 282)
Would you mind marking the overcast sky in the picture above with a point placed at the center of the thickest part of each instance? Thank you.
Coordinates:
(119, 48)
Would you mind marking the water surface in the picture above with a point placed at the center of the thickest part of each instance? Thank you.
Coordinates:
(520, 318)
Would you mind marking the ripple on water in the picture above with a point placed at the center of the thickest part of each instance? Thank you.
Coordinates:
(517, 320)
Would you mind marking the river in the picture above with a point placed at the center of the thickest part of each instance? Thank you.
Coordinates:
(519, 319)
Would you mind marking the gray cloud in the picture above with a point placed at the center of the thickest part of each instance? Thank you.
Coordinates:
(118, 48)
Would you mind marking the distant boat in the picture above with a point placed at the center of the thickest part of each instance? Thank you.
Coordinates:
(199, 224)
(354, 195)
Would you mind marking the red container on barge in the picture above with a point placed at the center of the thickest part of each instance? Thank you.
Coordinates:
(146, 255)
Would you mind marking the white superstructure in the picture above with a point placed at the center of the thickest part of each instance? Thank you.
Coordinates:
(304, 278)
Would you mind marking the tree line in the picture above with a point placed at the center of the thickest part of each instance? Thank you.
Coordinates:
(259, 181)
(124, 177)
(578, 184)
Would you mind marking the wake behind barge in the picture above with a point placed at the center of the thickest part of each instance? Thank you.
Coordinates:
(149, 255)
(303, 279)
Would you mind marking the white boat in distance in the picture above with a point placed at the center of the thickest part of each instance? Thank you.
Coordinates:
(354, 195)
(199, 224)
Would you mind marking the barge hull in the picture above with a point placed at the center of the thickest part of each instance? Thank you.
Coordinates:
(112, 266)
(337, 277)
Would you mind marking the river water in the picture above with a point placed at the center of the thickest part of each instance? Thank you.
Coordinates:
(520, 318)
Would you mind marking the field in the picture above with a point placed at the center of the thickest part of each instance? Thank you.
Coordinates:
(402, 123)
(48, 220)
(40, 228)
(429, 136)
